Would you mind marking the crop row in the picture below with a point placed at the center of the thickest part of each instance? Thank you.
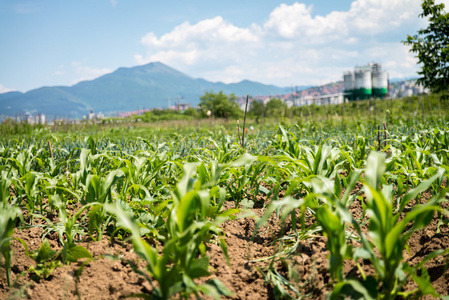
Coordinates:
(172, 190)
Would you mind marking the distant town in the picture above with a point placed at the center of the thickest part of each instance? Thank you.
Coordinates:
(333, 93)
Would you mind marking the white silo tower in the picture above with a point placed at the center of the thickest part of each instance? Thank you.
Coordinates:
(362, 83)
(348, 79)
(379, 81)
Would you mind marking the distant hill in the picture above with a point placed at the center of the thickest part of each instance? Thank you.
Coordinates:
(394, 80)
(126, 89)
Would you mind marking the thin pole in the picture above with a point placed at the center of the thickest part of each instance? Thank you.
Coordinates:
(238, 130)
(244, 122)
(49, 148)
(378, 137)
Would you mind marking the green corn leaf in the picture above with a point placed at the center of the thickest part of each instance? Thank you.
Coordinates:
(354, 289)
(423, 186)
(93, 146)
(353, 179)
(198, 267)
(218, 289)
(421, 215)
(243, 160)
(5, 184)
(375, 168)
(337, 186)
(317, 161)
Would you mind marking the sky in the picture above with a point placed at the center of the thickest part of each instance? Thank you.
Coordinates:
(285, 43)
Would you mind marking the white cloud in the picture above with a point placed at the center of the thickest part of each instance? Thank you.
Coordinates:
(198, 44)
(365, 17)
(293, 46)
(214, 30)
(4, 89)
(296, 21)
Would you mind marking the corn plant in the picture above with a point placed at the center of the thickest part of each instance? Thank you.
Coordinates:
(68, 228)
(389, 236)
(183, 256)
(8, 219)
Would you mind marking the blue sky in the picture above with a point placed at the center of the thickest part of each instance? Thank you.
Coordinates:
(308, 42)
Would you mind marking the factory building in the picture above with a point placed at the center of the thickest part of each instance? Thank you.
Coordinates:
(366, 82)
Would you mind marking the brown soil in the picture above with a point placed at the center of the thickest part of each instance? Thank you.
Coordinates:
(109, 276)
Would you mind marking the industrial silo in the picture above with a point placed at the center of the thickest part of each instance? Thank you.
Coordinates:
(380, 82)
(362, 83)
(348, 79)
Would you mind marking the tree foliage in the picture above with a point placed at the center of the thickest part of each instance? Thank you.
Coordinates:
(220, 105)
(256, 108)
(276, 107)
(431, 45)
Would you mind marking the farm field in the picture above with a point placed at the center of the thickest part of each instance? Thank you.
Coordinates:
(308, 210)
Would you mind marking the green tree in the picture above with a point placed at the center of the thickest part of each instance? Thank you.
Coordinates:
(257, 110)
(191, 112)
(276, 107)
(431, 45)
(220, 105)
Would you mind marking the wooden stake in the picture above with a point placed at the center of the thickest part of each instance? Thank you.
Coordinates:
(238, 131)
(378, 137)
(49, 148)
(244, 122)
(386, 134)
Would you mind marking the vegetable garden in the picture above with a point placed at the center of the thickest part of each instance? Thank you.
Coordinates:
(301, 211)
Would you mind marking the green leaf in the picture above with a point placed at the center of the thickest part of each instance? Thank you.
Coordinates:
(353, 179)
(44, 253)
(93, 148)
(198, 267)
(355, 289)
(74, 252)
(219, 287)
(375, 168)
(424, 283)
(337, 186)
(423, 186)
(243, 160)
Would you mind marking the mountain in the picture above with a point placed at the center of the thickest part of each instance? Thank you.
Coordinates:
(394, 80)
(48, 100)
(8, 95)
(149, 86)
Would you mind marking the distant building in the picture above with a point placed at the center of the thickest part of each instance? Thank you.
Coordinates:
(366, 82)
(406, 88)
(38, 118)
(91, 115)
(182, 106)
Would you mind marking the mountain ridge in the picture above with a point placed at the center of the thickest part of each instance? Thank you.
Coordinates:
(128, 88)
